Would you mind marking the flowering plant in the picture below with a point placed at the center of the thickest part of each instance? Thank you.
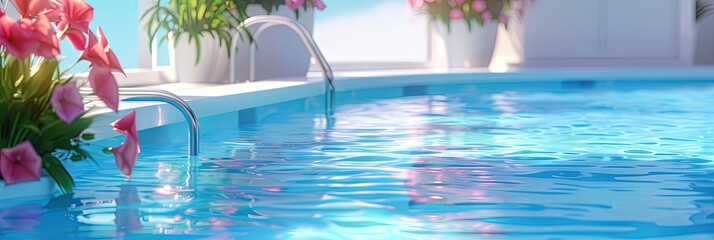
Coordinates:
(217, 18)
(480, 11)
(42, 114)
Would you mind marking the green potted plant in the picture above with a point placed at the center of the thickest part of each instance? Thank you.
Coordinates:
(201, 32)
(464, 32)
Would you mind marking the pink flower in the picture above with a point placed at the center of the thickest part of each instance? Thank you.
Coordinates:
(105, 86)
(20, 163)
(459, 2)
(125, 154)
(502, 19)
(320, 5)
(478, 5)
(456, 14)
(112, 60)
(17, 37)
(34, 8)
(67, 102)
(486, 16)
(48, 44)
(99, 54)
(294, 4)
(416, 4)
(104, 62)
(76, 15)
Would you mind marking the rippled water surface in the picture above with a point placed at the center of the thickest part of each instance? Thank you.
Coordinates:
(462, 162)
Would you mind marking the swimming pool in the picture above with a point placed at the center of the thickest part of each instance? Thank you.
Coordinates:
(535, 160)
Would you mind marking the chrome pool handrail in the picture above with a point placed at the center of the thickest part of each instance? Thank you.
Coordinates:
(154, 95)
(267, 21)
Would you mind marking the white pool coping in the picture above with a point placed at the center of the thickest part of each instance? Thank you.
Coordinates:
(211, 99)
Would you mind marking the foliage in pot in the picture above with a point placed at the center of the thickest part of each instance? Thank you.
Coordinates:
(217, 18)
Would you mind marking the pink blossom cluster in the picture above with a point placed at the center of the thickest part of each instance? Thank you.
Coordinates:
(296, 4)
(43, 24)
(467, 9)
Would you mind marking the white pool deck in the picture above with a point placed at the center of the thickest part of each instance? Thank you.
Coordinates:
(213, 99)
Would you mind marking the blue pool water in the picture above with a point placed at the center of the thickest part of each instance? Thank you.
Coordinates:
(557, 160)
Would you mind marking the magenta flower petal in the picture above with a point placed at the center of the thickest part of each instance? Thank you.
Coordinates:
(67, 102)
(294, 4)
(17, 37)
(46, 37)
(76, 15)
(416, 4)
(456, 14)
(126, 154)
(105, 86)
(99, 54)
(503, 19)
(76, 38)
(478, 5)
(320, 5)
(112, 60)
(20, 163)
(127, 125)
(34, 8)
(486, 16)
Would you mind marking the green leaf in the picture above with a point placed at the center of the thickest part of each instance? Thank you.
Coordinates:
(31, 127)
(88, 136)
(58, 130)
(57, 171)
(42, 79)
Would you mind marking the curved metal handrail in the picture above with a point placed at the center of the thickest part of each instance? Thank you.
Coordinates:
(267, 21)
(153, 95)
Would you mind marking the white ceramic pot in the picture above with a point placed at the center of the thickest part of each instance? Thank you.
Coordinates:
(213, 63)
(43, 188)
(704, 51)
(279, 52)
(458, 47)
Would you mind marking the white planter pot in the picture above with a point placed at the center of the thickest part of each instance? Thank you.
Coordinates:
(212, 66)
(279, 52)
(704, 35)
(43, 188)
(458, 47)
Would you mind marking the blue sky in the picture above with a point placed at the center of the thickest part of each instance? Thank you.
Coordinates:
(119, 21)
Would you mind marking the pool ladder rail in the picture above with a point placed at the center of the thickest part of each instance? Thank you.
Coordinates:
(264, 22)
(154, 95)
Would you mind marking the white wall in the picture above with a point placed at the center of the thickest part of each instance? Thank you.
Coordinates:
(608, 33)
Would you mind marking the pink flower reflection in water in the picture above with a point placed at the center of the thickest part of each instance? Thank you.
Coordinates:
(128, 215)
(450, 181)
(20, 218)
